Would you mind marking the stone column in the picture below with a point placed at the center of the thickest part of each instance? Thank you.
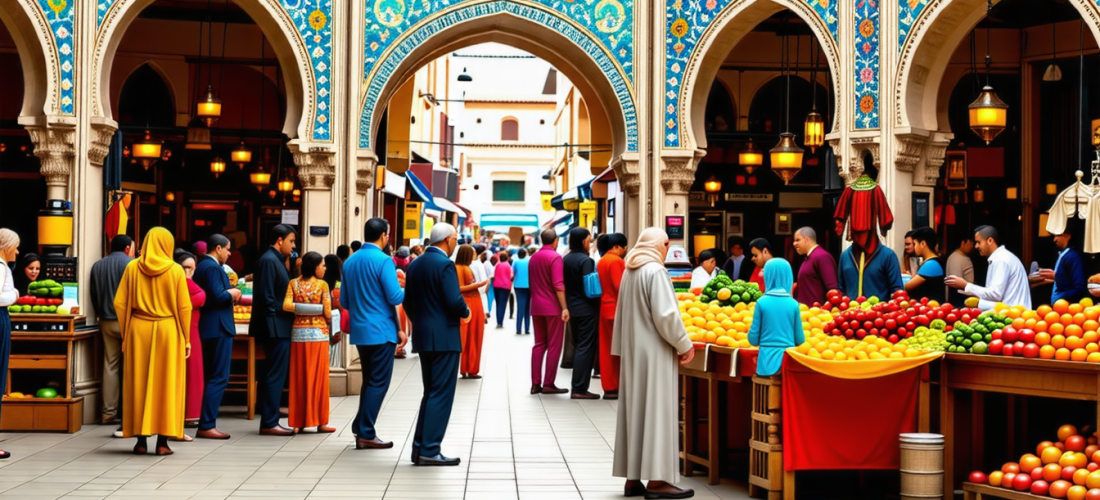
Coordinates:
(361, 202)
(55, 147)
(317, 173)
(629, 174)
(677, 176)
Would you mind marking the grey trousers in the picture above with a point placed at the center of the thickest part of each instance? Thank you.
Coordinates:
(112, 368)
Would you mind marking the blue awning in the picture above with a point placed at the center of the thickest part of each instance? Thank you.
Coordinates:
(580, 193)
(417, 191)
(504, 222)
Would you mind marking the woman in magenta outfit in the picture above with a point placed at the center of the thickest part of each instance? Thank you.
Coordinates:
(194, 363)
(502, 286)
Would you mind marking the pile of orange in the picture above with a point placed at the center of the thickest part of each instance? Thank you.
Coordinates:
(1064, 331)
(715, 324)
(1068, 468)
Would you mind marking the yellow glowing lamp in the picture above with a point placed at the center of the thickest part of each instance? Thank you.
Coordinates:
(242, 155)
(217, 166)
(786, 157)
(751, 157)
(286, 185)
(815, 130)
(260, 178)
(210, 108)
(988, 115)
(713, 185)
(147, 150)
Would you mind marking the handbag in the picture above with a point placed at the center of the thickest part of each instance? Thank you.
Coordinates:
(592, 288)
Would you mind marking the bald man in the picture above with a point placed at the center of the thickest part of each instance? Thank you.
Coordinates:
(817, 275)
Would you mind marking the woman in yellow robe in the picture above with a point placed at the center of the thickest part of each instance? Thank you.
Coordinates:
(154, 315)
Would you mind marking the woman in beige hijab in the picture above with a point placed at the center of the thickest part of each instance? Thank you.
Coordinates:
(649, 337)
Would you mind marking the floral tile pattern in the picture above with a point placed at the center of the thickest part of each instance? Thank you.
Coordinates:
(908, 13)
(687, 22)
(602, 28)
(866, 64)
(102, 7)
(59, 14)
(313, 20)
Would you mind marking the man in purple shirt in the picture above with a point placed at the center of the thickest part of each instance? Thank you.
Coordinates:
(549, 312)
(817, 275)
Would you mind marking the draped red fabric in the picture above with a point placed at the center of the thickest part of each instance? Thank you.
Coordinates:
(832, 423)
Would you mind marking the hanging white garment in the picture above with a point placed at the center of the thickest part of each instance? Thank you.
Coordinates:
(1073, 201)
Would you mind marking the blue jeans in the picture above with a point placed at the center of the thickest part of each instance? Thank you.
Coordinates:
(490, 296)
(523, 304)
(502, 295)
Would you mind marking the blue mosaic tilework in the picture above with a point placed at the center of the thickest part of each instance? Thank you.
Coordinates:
(389, 20)
(313, 19)
(59, 15)
(866, 59)
(687, 22)
(908, 13)
(101, 9)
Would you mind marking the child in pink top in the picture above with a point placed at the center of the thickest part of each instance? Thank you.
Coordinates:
(502, 286)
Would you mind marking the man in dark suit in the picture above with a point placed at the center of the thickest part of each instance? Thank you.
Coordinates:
(216, 330)
(739, 266)
(436, 308)
(271, 325)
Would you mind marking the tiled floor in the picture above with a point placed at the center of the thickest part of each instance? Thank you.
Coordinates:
(512, 445)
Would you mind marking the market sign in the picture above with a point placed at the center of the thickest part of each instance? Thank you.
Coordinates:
(412, 220)
(587, 213)
(750, 197)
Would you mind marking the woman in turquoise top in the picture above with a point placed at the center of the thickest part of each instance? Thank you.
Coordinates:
(777, 321)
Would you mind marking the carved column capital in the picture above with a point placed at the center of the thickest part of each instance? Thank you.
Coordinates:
(316, 168)
(910, 149)
(55, 147)
(678, 172)
(628, 173)
(936, 155)
(100, 144)
(365, 163)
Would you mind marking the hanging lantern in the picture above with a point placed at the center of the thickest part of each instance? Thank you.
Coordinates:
(260, 178)
(148, 151)
(217, 166)
(988, 114)
(198, 135)
(815, 130)
(210, 108)
(786, 157)
(750, 157)
(713, 186)
(242, 155)
(286, 185)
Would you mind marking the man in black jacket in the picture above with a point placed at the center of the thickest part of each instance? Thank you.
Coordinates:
(271, 325)
(584, 313)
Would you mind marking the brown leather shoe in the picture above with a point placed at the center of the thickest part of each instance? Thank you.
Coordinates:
(553, 390)
(373, 444)
(668, 491)
(473, 376)
(278, 430)
(584, 395)
(324, 429)
(536, 389)
(611, 395)
(633, 488)
(211, 434)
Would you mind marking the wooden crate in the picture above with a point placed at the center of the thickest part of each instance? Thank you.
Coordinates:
(766, 474)
(39, 414)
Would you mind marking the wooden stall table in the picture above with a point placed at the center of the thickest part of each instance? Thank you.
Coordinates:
(715, 364)
(1007, 375)
(974, 491)
(45, 342)
(244, 349)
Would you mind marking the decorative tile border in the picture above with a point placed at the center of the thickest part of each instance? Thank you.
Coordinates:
(59, 15)
(101, 9)
(313, 20)
(908, 13)
(380, 65)
(866, 64)
(687, 24)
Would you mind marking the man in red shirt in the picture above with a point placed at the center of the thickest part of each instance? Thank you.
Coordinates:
(610, 269)
(549, 313)
(761, 253)
(817, 275)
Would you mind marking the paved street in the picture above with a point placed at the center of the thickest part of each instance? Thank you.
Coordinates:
(513, 446)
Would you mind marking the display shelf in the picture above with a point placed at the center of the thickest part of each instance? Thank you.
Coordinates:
(712, 366)
(43, 344)
(975, 491)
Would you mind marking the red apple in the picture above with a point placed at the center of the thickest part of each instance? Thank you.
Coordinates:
(1010, 335)
(978, 477)
(996, 346)
(1031, 350)
(1022, 482)
(1027, 335)
(1040, 487)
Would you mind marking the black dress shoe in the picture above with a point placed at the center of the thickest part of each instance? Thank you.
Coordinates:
(4, 454)
(584, 395)
(536, 389)
(438, 460)
(374, 444)
(669, 491)
(634, 489)
(611, 395)
(415, 457)
(553, 390)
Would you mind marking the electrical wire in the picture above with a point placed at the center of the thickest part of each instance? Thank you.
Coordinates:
(566, 145)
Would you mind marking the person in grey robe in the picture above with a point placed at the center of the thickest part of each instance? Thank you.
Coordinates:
(650, 338)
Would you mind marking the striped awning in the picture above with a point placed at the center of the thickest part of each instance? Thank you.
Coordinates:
(504, 222)
(417, 191)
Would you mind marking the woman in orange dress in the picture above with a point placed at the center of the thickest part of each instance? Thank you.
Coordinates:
(308, 298)
(473, 329)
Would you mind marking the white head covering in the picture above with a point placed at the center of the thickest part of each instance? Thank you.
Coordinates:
(647, 249)
(8, 238)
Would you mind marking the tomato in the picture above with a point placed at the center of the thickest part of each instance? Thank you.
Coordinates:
(1051, 455)
(1040, 487)
(1080, 476)
(1068, 472)
(1065, 431)
(1052, 472)
(1093, 494)
(1010, 335)
(996, 477)
(1027, 335)
(1030, 462)
(1018, 349)
(1031, 350)
(1059, 489)
(978, 477)
(891, 325)
(996, 346)
(1076, 443)
(1022, 482)
(1007, 481)
(1076, 492)
(1093, 480)
(1092, 466)
(1036, 473)
(1008, 350)
(1095, 457)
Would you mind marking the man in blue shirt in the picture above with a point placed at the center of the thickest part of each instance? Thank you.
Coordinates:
(881, 273)
(522, 286)
(1068, 275)
(371, 292)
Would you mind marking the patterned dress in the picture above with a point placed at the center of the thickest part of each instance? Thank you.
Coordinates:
(309, 352)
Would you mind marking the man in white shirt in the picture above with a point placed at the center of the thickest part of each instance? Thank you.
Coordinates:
(1006, 280)
(707, 270)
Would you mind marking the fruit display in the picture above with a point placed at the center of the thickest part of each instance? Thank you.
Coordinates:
(1068, 468)
(977, 336)
(711, 323)
(241, 314)
(1063, 331)
(45, 288)
(29, 304)
(838, 348)
(894, 320)
(728, 292)
(927, 339)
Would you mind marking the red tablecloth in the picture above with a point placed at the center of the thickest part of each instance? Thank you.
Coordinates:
(833, 423)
